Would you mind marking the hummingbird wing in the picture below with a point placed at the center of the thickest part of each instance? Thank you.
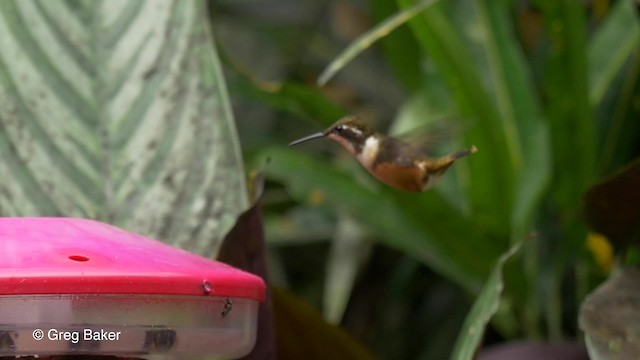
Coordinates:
(431, 136)
(397, 152)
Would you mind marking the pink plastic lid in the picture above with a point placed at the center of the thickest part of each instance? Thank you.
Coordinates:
(76, 256)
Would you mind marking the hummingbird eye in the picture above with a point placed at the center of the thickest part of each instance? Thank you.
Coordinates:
(339, 128)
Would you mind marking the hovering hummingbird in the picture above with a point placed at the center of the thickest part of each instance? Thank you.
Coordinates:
(392, 161)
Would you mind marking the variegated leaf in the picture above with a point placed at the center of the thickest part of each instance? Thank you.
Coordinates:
(116, 110)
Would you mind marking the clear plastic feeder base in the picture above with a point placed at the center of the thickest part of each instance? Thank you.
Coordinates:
(176, 327)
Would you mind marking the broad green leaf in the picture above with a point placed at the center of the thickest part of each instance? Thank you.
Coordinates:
(442, 41)
(519, 110)
(422, 225)
(526, 128)
(482, 310)
(303, 101)
(430, 104)
(617, 39)
(614, 69)
(118, 111)
(569, 111)
(570, 115)
(621, 118)
(301, 225)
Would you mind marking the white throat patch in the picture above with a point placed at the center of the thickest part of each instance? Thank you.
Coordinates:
(369, 151)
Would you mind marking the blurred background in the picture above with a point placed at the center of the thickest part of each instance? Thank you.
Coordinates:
(126, 112)
(547, 90)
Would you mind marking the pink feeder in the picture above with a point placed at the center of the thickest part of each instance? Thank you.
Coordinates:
(72, 286)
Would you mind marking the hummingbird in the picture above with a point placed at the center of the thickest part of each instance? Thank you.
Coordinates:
(390, 160)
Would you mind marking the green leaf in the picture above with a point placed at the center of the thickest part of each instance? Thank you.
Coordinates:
(519, 109)
(303, 101)
(362, 43)
(570, 116)
(569, 111)
(399, 47)
(526, 129)
(482, 310)
(118, 112)
(620, 116)
(616, 40)
(497, 152)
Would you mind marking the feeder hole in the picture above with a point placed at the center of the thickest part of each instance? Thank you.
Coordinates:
(78, 258)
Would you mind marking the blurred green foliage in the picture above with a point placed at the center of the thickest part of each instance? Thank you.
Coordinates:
(550, 88)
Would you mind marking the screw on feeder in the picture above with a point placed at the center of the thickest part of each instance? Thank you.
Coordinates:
(206, 287)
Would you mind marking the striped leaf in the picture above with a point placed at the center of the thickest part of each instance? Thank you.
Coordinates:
(116, 110)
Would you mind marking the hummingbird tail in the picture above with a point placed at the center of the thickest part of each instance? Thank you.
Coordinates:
(462, 153)
(434, 168)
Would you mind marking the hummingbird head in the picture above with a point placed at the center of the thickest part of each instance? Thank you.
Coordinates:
(350, 132)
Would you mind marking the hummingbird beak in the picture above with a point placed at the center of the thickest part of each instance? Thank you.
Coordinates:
(306, 138)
